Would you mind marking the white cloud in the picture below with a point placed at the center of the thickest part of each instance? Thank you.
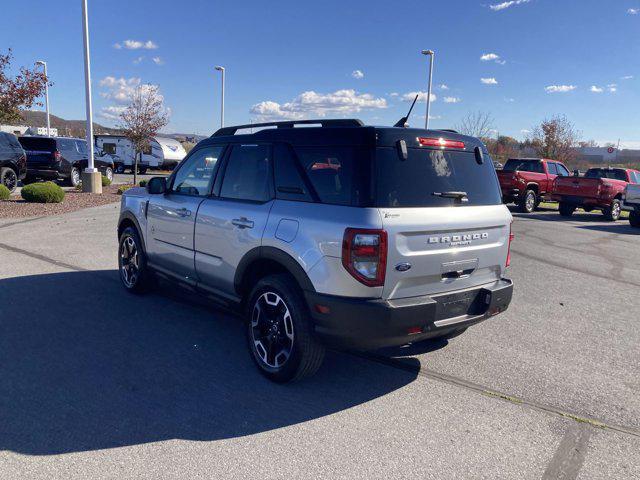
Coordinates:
(112, 112)
(119, 90)
(633, 11)
(138, 60)
(627, 77)
(357, 74)
(452, 100)
(524, 131)
(501, 6)
(158, 60)
(488, 57)
(422, 97)
(559, 88)
(136, 45)
(443, 86)
(595, 89)
(489, 81)
(313, 104)
(509, 100)
(612, 87)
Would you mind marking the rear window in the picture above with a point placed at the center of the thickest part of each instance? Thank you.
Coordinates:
(614, 174)
(415, 182)
(339, 175)
(38, 144)
(514, 165)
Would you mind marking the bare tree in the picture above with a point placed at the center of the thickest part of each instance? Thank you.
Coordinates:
(555, 138)
(20, 91)
(142, 119)
(476, 124)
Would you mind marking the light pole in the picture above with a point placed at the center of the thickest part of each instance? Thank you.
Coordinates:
(91, 181)
(46, 94)
(221, 69)
(431, 54)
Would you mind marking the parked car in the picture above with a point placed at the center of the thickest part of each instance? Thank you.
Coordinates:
(341, 234)
(60, 158)
(13, 161)
(631, 202)
(599, 189)
(528, 181)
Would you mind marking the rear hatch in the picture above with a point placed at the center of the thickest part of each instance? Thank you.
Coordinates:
(40, 152)
(438, 243)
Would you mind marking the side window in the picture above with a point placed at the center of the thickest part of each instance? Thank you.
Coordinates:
(562, 171)
(109, 148)
(147, 150)
(197, 172)
(81, 147)
(552, 167)
(248, 173)
(65, 146)
(289, 183)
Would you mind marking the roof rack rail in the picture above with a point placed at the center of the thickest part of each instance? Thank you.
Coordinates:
(346, 122)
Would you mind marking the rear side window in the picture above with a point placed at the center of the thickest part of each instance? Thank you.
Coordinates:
(514, 165)
(417, 181)
(248, 172)
(9, 144)
(38, 144)
(81, 147)
(289, 182)
(553, 168)
(339, 175)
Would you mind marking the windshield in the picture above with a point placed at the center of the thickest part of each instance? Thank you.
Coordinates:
(614, 174)
(523, 166)
(422, 179)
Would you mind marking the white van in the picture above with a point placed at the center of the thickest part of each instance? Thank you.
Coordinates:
(162, 153)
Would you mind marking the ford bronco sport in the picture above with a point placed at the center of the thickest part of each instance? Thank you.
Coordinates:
(341, 234)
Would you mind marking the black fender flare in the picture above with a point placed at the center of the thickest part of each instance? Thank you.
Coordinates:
(277, 255)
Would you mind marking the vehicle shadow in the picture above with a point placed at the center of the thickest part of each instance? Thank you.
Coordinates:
(85, 366)
(620, 227)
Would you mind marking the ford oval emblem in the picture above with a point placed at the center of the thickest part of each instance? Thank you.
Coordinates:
(403, 267)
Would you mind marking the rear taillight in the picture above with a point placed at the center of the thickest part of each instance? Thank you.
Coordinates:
(511, 237)
(364, 255)
(56, 156)
(440, 142)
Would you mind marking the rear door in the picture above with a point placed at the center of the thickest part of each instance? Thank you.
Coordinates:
(233, 222)
(438, 244)
(171, 216)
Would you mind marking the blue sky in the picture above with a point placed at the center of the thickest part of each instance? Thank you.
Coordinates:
(296, 59)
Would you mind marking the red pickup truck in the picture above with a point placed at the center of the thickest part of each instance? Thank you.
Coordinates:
(528, 181)
(599, 189)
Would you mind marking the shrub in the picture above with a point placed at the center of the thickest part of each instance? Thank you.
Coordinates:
(124, 188)
(143, 183)
(105, 181)
(47, 192)
(4, 192)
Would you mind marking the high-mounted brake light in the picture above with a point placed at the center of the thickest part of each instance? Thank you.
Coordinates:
(364, 255)
(56, 156)
(440, 142)
(511, 237)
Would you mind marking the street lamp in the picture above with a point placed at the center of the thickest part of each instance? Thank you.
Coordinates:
(431, 54)
(46, 94)
(91, 180)
(221, 69)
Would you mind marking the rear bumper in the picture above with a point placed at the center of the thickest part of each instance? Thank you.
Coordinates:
(42, 173)
(367, 324)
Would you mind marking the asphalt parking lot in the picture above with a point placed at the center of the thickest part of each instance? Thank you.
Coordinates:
(97, 383)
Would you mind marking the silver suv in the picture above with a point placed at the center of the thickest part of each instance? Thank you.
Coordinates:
(337, 233)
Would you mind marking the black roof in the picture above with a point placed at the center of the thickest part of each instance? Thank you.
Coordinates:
(335, 132)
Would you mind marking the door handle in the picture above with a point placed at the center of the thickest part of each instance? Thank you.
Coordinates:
(183, 212)
(242, 222)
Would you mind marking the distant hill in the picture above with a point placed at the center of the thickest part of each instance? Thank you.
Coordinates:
(70, 128)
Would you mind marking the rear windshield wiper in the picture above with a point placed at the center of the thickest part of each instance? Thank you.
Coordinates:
(462, 196)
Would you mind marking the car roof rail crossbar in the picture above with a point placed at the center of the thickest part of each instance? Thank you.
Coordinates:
(343, 122)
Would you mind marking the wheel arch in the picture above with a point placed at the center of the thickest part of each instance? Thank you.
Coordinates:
(128, 219)
(533, 186)
(262, 261)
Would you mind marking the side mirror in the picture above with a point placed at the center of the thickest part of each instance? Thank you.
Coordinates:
(157, 185)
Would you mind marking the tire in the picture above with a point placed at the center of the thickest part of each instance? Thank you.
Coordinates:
(566, 209)
(634, 218)
(283, 350)
(587, 209)
(108, 172)
(74, 177)
(135, 275)
(9, 178)
(613, 212)
(528, 202)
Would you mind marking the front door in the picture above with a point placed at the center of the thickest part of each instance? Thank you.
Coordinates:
(171, 216)
(230, 225)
